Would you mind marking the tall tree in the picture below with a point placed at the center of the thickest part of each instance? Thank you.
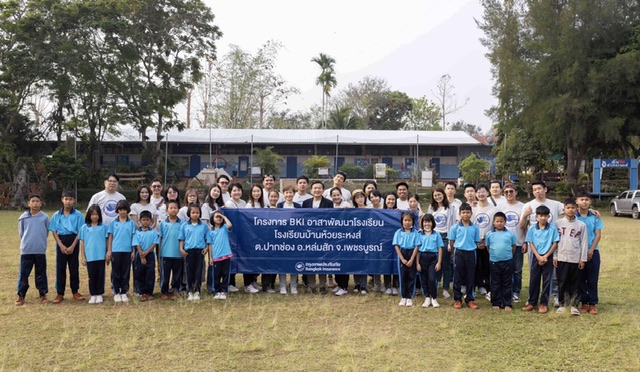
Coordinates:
(342, 118)
(326, 80)
(390, 111)
(446, 98)
(363, 95)
(471, 129)
(424, 115)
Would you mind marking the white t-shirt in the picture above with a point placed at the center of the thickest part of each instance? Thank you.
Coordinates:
(107, 203)
(233, 205)
(297, 198)
(158, 202)
(136, 208)
(346, 194)
(500, 202)
(265, 197)
(343, 204)
(445, 218)
(556, 208)
(513, 213)
(483, 218)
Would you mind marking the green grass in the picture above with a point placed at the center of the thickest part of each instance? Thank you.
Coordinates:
(313, 332)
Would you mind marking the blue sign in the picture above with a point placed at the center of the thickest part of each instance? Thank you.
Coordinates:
(313, 241)
(615, 163)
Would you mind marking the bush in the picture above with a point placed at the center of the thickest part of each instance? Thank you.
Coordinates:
(312, 164)
(352, 170)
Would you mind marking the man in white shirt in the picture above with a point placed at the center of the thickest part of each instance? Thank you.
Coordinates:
(338, 181)
(302, 184)
(108, 198)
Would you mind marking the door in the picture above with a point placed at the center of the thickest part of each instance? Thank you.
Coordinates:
(388, 162)
(292, 167)
(435, 164)
(194, 165)
(243, 166)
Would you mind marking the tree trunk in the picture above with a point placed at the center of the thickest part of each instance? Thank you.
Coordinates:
(189, 110)
(574, 159)
(20, 185)
(158, 148)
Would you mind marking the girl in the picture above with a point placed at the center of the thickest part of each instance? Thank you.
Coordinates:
(171, 193)
(430, 259)
(414, 204)
(274, 198)
(212, 203)
(445, 217)
(120, 244)
(406, 241)
(358, 199)
(220, 254)
(391, 281)
(289, 192)
(235, 190)
(375, 199)
(391, 201)
(256, 199)
(93, 250)
(336, 196)
(193, 237)
(368, 187)
(143, 204)
(190, 197)
(171, 257)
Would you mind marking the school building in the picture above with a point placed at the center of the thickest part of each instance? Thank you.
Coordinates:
(231, 149)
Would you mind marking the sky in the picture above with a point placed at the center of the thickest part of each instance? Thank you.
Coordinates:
(409, 43)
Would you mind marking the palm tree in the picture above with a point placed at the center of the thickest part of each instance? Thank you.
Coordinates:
(343, 118)
(326, 79)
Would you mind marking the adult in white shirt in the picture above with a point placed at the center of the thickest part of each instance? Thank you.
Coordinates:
(302, 184)
(402, 190)
(512, 210)
(338, 181)
(156, 193)
(496, 198)
(224, 182)
(482, 216)
(269, 184)
(108, 198)
(236, 193)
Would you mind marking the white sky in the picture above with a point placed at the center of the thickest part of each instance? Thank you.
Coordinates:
(409, 43)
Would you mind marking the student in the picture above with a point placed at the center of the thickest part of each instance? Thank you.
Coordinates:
(501, 243)
(256, 199)
(444, 216)
(318, 201)
(542, 239)
(289, 194)
(496, 199)
(430, 259)
(108, 198)
(302, 183)
(220, 254)
(589, 276)
(171, 193)
(358, 199)
(402, 190)
(235, 190)
(338, 181)
(269, 184)
(464, 237)
(93, 238)
(483, 217)
(212, 203)
(512, 209)
(223, 181)
(406, 241)
(190, 197)
(120, 246)
(269, 280)
(192, 237)
(336, 196)
(470, 194)
(144, 264)
(172, 258)
(390, 281)
(65, 226)
(570, 257)
(375, 199)
(143, 203)
(33, 228)
(157, 199)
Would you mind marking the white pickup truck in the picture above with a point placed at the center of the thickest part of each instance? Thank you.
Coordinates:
(628, 202)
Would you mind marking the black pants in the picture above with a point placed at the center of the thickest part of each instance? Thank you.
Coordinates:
(391, 281)
(568, 283)
(195, 263)
(544, 273)
(145, 275)
(407, 275)
(171, 268)
(96, 274)
(221, 275)
(27, 262)
(483, 268)
(428, 261)
(268, 281)
(501, 283)
(464, 274)
(342, 280)
(120, 272)
(249, 278)
(64, 260)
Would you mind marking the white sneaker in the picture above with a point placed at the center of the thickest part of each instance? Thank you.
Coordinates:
(427, 302)
(434, 303)
(190, 297)
(394, 291)
(336, 289)
(356, 289)
(92, 300)
(283, 290)
(256, 286)
(482, 290)
(271, 290)
(561, 310)
(99, 299)
(196, 296)
(488, 296)
(294, 290)
(233, 288)
(445, 294)
(403, 302)
(575, 311)
(364, 292)
(117, 298)
(124, 297)
(223, 296)
(409, 302)
(515, 297)
(388, 291)
(342, 292)
(250, 289)
(463, 289)
(217, 296)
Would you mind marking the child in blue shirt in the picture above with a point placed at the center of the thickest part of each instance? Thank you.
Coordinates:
(463, 242)
(144, 264)
(193, 241)
(172, 258)
(430, 259)
(120, 246)
(33, 228)
(220, 254)
(93, 247)
(406, 241)
(589, 275)
(65, 226)
(542, 240)
(501, 244)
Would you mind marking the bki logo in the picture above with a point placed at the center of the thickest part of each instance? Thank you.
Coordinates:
(300, 266)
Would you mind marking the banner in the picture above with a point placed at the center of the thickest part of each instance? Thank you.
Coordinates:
(313, 241)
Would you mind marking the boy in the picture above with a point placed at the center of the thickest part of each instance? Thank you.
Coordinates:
(120, 247)
(589, 276)
(464, 237)
(33, 228)
(483, 213)
(570, 257)
(65, 226)
(172, 259)
(338, 181)
(144, 265)
(501, 244)
(542, 240)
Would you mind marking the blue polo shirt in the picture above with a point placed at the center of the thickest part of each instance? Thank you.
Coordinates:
(122, 235)
(95, 241)
(220, 246)
(170, 245)
(66, 225)
(146, 238)
(500, 244)
(593, 224)
(430, 242)
(194, 236)
(465, 238)
(543, 239)
(406, 240)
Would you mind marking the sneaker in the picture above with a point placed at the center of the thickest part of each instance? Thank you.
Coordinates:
(124, 297)
(117, 298)
(363, 292)
(542, 309)
(394, 291)
(427, 302)
(508, 309)
(409, 302)
(150, 297)
(445, 294)
(294, 290)
(463, 289)
(528, 307)
(457, 305)
(583, 309)
(19, 301)
(271, 290)
(336, 289)
(482, 290)
(44, 299)
(233, 288)
(99, 299)
(388, 291)
(556, 302)
(78, 297)
(342, 292)
(223, 296)
(356, 289)
(190, 297)
(434, 302)
(575, 311)
(59, 298)
(196, 296)
(323, 290)
(472, 305)
(256, 286)
(515, 297)
(488, 296)
(283, 290)
(92, 300)
(330, 282)
(403, 302)
(251, 289)
(217, 296)
(143, 297)
(593, 310)
(561, 310)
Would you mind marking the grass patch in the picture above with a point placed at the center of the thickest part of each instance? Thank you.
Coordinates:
(313, 332)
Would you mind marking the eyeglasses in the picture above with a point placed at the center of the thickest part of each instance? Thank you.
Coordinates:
(156, 186)
(509, 191)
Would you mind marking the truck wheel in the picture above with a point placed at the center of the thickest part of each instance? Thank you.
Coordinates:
(634, 213)
(612, 209)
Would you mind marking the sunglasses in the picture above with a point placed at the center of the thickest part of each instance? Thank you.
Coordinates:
(509, 191)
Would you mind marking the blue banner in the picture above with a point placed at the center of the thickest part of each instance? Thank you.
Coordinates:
(313, 241)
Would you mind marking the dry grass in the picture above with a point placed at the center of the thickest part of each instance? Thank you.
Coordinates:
(312, 332)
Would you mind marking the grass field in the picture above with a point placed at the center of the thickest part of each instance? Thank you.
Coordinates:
(313, 332)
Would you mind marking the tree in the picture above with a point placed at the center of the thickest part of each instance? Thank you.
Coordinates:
(390, 111)
(268, 161)
(64, 167)
(342, 118)
(363, 95)
(326, 80)
(424, 115)
(286, 119)
(472, 168)
(446, 99)
(312, 165)
(472, 130)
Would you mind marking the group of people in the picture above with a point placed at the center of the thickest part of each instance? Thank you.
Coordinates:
(478, 244)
